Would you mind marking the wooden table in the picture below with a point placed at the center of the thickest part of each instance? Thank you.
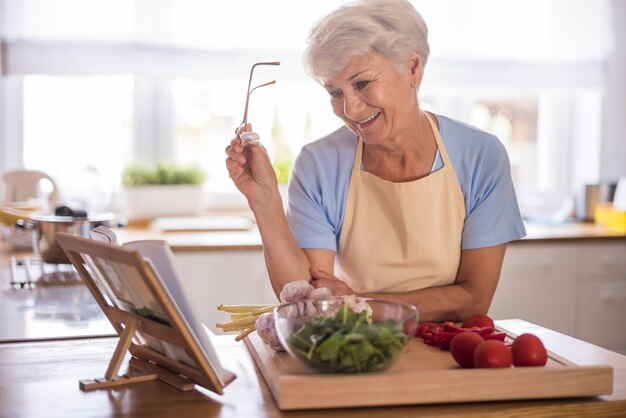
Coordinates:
(41, 379)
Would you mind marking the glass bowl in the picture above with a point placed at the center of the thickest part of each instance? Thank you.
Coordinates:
(345, 334)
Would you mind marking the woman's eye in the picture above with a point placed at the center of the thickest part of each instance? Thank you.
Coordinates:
(335, 94)
(360, 85)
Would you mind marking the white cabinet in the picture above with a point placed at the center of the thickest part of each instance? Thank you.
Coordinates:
(602, 258)
(538, 284)
(602, 295)
(574, 287)
(602, 313)
(211, 278)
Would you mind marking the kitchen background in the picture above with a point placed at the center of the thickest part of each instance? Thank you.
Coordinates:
(98, 84)
(88, 87)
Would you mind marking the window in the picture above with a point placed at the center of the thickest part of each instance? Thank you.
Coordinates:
(514, 122)
(80, 131)
(206, 113)
(73, 123)
(159, 80)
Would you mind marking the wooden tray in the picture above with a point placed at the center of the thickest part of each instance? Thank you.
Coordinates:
(423, 375)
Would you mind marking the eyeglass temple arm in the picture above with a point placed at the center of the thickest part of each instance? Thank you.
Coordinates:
(245, 113)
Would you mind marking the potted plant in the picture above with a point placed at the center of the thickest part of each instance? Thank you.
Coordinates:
(162, 190)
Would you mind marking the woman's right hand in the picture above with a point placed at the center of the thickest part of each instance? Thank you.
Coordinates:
(250, 168)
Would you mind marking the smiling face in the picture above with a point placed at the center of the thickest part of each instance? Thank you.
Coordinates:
(374, 100)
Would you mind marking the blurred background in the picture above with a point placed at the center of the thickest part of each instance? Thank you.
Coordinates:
(91, 86)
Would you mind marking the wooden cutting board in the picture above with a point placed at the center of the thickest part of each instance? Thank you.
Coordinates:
(423, 375)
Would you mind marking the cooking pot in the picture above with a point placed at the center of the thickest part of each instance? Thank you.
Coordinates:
(46, 227)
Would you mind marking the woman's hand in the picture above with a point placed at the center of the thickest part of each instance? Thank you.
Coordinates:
(323, 279)
(251, 170)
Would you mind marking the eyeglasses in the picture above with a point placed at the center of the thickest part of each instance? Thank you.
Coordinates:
(245, 112)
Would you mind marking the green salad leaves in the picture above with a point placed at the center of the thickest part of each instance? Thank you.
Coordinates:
(348, 342)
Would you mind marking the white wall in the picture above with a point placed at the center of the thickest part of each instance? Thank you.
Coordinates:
(614, 139)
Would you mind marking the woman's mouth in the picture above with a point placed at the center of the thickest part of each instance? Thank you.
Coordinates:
(368, 120)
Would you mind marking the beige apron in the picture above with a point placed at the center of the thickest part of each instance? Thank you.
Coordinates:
(404, 236)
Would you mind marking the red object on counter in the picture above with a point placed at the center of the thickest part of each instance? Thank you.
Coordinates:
(441, 334)
(528, 351)
(479, 320)
(492, 354)
(463, 346)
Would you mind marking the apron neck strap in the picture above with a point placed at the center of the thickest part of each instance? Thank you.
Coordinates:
(359, 154)
(438, 141)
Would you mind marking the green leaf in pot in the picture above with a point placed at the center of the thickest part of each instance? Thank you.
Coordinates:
(140, 175)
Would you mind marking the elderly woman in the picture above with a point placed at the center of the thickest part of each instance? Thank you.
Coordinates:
(399, 204)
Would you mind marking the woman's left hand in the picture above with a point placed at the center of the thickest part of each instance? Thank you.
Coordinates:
(323, 279)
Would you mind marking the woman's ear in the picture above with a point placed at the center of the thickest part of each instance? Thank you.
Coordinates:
(416, 70)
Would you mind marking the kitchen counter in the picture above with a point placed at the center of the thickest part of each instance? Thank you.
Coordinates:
(196, 240)
(568, 232)
(46, 309)
(249, 239)
(229, 267)
(245, 240)
(41, 379)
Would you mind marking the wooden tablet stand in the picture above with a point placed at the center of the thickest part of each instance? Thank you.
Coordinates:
(149, 371)
(139, 306)
(111, 377)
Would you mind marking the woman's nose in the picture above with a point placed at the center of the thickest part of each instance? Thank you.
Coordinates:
(352, 106)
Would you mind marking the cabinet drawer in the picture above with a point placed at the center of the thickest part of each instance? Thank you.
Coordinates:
(602, 312)
(603, 258)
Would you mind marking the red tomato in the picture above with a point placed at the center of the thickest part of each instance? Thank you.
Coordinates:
(528, 351)
(462, 347)
(479, 321)
(491, 354)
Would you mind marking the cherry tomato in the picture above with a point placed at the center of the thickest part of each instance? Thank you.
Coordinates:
(528, 351)
(479, 321)
(491, 354)
(462, 347)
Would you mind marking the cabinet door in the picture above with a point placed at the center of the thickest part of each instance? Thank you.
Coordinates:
(602, 312)
(538, 284)
(602, 294)
(213, 278)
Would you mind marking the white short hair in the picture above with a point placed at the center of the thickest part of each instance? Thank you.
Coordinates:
(392, 28)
